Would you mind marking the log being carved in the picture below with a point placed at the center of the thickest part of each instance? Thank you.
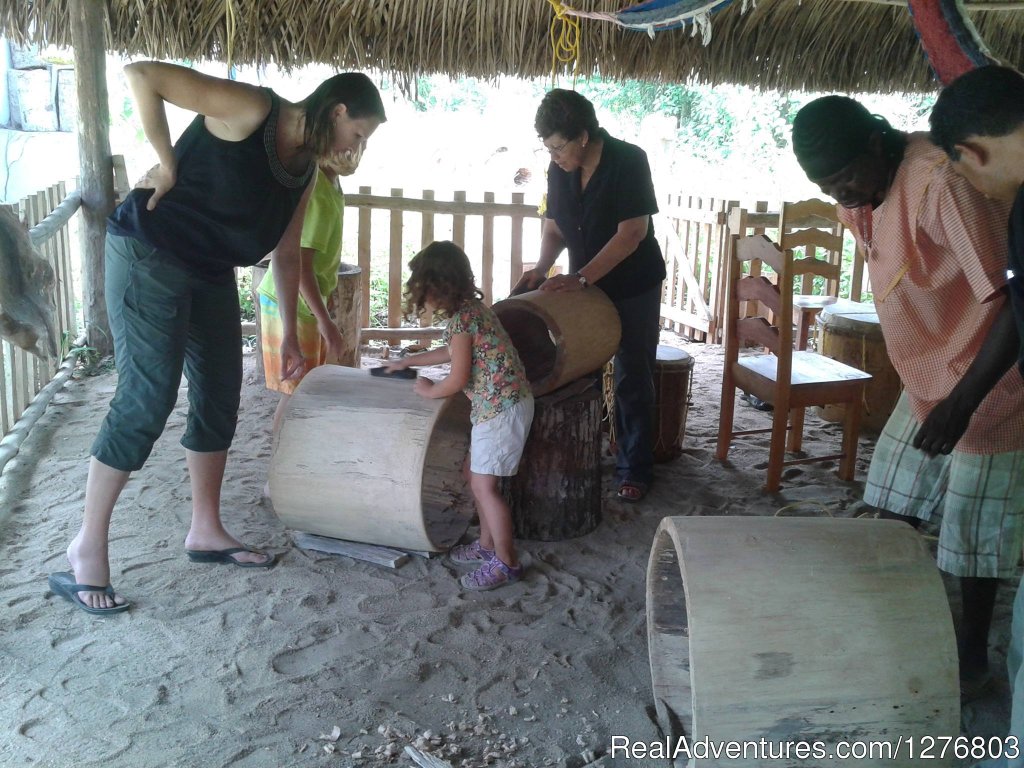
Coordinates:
(27, 314)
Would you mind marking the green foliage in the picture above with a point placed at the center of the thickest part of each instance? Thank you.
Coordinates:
(379, 295)
(88, 361)
(378, 300)
(246, 303)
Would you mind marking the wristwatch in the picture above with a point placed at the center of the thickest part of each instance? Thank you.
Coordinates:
(582, 279)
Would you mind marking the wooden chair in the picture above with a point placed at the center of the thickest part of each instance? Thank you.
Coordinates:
(790, 380)
(811, 227)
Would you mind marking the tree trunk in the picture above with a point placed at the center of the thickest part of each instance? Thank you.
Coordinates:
(88, 33)
(557, 493)
(347, 309)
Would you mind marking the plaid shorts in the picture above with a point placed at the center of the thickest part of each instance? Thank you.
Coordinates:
(979, 499)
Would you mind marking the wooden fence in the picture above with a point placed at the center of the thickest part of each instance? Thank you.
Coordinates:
(22, 376)
(505, 252)
(693, 232)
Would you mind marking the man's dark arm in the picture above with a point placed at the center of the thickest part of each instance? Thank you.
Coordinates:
(948, 421)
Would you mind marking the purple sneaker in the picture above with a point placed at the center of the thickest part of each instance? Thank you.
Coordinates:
(491, 575)
(470, 554)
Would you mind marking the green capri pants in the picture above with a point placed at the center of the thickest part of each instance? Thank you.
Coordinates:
(166, 317)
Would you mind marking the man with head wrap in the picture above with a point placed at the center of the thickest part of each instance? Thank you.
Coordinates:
(935, 249)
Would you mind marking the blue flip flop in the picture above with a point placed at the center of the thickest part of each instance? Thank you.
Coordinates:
(63, 584)
(224, 557)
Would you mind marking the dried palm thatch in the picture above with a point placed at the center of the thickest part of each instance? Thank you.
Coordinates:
(848, 45)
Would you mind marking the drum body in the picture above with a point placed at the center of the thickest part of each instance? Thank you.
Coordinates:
(855, 338)
(673, 376)
(367, 459)
(560, 336)
(800, 630)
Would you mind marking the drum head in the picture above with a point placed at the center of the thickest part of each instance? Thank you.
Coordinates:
(673, 355)
(855, 323)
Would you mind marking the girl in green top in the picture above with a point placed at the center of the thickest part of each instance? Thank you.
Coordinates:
(319, 338)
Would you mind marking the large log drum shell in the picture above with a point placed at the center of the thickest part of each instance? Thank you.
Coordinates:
(800, 630)
(367, 459)
(560, 336)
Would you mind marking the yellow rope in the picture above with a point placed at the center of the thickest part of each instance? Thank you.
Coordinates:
(565, 40)
(229, 25)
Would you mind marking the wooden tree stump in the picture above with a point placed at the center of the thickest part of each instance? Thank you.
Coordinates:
(346, 309)
(557, 493)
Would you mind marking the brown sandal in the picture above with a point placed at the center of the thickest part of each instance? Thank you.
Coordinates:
(632, 490)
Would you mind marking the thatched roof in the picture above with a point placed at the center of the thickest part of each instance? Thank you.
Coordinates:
(849, 45)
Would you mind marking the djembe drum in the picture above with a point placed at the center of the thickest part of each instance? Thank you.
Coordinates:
(673, 375)
(853, 335)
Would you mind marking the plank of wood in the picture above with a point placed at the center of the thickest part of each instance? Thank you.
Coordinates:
(390, 558)
(425, 760)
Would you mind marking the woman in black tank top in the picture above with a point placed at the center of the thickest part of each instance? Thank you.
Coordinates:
(232, 188)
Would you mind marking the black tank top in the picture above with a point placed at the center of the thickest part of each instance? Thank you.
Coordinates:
(230, 205)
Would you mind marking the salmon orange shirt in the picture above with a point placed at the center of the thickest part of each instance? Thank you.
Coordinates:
(936, 253)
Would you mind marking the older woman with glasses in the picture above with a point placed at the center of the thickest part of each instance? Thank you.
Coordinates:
(599, 205)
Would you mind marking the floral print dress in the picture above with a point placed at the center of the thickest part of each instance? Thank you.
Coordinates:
(497, 378)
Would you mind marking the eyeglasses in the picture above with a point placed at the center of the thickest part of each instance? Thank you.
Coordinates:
(557, 151)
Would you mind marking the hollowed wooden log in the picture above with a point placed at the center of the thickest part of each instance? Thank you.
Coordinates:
(367, 459)
(800, 630)
(560, 336)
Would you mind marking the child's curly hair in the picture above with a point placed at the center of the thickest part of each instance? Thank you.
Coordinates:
(442, 275)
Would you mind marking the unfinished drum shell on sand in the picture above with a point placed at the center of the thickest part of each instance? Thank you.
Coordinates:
(800, 630)
(560, 335)
(367, 459)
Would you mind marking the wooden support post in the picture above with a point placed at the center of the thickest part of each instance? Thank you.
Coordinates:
(557, 493)
(364, 230)
(395, 257)
(427, 225)
(459, 223)
(487, 253)
(67, 283)
(516, 257)
(89, 23)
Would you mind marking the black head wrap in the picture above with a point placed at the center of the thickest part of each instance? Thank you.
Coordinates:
(830, 132)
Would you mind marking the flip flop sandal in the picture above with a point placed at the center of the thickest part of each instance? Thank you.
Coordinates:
(632, 491)
(224, 556)
(63, 584)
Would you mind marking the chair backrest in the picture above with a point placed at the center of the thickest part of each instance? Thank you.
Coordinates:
(752, 290)
(812, 231)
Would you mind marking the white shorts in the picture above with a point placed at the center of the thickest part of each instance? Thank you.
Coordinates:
(496, 445)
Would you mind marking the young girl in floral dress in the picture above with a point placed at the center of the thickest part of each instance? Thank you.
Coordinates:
(485, 366)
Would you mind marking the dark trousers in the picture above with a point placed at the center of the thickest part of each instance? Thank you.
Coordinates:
(165, 318)
(634, 385)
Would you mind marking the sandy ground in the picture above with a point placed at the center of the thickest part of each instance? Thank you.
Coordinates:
(328, 661)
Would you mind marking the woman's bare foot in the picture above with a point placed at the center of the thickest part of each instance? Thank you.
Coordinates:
(91, 566)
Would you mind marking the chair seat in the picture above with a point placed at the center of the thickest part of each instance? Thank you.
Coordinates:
(808, 301)
(815, 379)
